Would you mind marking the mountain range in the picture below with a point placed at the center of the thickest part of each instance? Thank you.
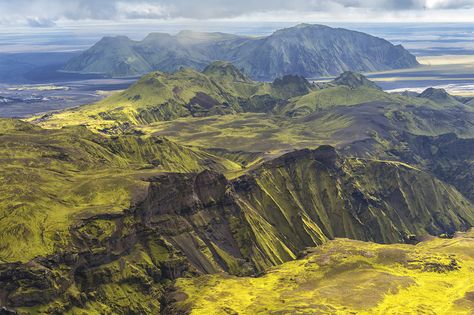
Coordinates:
(306, 50)
(198, 192)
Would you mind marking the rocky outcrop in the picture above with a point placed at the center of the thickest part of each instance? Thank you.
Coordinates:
(109, 257)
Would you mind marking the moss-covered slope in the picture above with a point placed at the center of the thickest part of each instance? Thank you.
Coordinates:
(195, 223)
(51, 178)
(345, 277)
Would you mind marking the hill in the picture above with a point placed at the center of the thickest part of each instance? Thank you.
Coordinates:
(439, 96)
(305, 50)
(219, 90)
(222, 109)
(52, 178)
(203, 192)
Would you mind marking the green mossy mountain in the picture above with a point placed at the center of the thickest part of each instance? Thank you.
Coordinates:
(354, 80)
(300, 200)
(222, 89)
(193, 223)
(193, 181)
(440, 96)
(222, 109)
(306, 50)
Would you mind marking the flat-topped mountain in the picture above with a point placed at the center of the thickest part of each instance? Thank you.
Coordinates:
(306, 50)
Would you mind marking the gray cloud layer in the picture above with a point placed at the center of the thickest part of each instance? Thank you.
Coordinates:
(45, 12)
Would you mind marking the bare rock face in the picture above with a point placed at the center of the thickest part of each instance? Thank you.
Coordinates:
(184, 193)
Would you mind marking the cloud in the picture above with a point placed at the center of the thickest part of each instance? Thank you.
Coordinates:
(449, 4)
(38, 12)
(40, 22)
(143, 10)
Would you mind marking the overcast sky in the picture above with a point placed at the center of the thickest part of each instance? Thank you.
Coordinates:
(48, 13)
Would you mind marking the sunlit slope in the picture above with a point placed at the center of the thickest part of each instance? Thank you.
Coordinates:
(342, 125)
(219, 90)
(156, 96)
(50, 178)
(346, 277)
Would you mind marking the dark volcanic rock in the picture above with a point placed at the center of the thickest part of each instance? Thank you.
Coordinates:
(184, 193)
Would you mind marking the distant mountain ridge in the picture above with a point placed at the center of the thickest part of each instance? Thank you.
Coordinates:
(305, 50)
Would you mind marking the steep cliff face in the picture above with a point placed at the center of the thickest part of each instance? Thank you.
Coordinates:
(203, 223)
(299, 200)
(448, 157)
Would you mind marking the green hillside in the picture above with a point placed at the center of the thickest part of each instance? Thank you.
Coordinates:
(344, 277)
(209, 193)
(52, 178)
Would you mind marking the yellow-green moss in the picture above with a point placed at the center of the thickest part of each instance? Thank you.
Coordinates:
(348, 277)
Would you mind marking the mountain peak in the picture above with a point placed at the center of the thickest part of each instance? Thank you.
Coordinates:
(434, 92)
(156, 36)
(439, 96)
(300, 27)
(225, 70)
(354, 80)
(107, 40)
(291, 85)
(304, 25)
